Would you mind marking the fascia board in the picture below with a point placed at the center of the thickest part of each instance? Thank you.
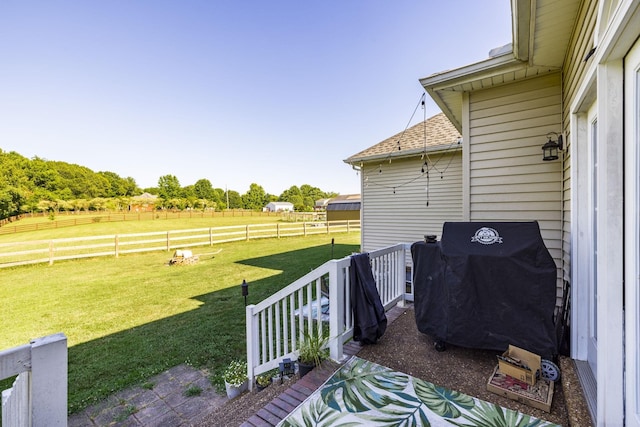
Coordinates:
(469, 73)
(521, 24)
(402, 155)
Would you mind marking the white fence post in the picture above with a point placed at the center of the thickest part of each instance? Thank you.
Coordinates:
(51, 252)
(337, 311)
(49, 381)
(253, 344)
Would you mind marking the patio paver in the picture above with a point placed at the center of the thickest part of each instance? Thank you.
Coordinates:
(165, 404)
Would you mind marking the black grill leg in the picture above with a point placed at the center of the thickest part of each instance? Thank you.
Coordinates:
(440, 345)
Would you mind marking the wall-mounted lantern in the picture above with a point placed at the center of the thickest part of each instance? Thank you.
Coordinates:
(551, 148)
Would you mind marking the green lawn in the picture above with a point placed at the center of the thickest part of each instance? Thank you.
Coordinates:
(131, 317)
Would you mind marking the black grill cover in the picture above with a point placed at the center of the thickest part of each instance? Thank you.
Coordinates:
(487, 285)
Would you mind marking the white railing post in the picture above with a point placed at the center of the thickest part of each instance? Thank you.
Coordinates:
(401, 278)
(16, 402)
(253, 344)
(49, 381)
(337, 311)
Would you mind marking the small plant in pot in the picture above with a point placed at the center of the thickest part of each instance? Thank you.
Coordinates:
(276, 378)
(235, 378)
(263, 381)
(311, 352)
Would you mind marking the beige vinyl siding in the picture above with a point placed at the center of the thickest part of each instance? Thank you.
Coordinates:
(389, 218)
(508, 179)
(573, 75)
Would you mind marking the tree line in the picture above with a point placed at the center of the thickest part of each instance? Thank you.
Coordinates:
(40, 185)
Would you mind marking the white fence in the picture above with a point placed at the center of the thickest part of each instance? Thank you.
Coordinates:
(48, 251)
(318, 303)
(38, 396)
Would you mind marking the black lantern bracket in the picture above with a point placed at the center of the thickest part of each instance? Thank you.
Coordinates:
(551, 148)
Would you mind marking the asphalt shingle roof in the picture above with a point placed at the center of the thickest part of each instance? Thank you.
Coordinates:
(439, 133)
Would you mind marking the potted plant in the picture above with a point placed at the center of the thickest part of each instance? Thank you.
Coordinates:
(263, 381)
(235, 378)
(275, 376)
(311, 352)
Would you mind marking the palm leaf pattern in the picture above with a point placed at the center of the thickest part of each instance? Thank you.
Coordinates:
(316, 413)
(406, 410)
(446, 403)
(358, 386)
(364, 393)
(486, 414)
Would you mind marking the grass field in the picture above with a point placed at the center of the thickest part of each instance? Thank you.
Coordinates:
(124, 227)
(131, 317)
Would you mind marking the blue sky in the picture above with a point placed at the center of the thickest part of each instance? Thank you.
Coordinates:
(234, 91)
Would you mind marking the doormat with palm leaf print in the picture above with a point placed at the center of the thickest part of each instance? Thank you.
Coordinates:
(365, 393)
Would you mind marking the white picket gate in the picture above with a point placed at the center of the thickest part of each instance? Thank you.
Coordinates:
(38, 396)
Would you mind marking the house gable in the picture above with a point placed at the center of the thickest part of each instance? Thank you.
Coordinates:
(411, 183)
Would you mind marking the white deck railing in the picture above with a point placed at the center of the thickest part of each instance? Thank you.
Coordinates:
(38, 396)
(318, 303)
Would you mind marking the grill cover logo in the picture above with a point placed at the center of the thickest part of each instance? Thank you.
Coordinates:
(486, 236)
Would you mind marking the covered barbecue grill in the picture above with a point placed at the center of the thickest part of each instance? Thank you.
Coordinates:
(487, 285)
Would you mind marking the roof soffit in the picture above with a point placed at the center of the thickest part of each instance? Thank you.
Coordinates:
(541, 34)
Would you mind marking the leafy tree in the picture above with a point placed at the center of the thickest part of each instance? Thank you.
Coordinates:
(98, 204)
(119, 186)
(152, 190)
(42, 175)
(169, 187)
(255, 198)
(204, 190)
(235, 200)
(79, 204)
(10, 201)
(304, 198)
(13, 171)
(117, 204)
(131, 187)
(63, 205)
(290, 194)
(47, 205)
(176, 203)
(220, 198)
(29, 185)
(204, 204)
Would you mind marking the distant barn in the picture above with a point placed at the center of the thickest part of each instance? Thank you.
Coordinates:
(278, 207)
(145, 202)
(344, 208)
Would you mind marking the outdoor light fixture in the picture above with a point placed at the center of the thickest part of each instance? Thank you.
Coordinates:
(287, 368)
(551, 148)
(245, 291)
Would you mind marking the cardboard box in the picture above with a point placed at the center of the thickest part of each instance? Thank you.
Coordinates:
(539, 395)
(520, 364)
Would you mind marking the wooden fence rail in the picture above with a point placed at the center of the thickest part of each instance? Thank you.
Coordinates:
(49, 251)
(72, 219)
